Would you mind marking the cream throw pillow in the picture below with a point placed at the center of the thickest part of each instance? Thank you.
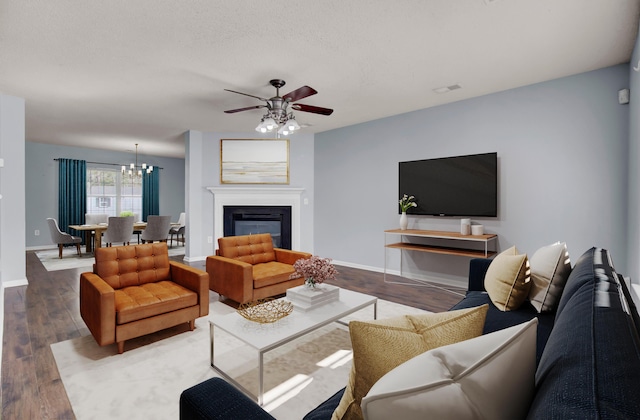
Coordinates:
(488, 377)
(507, 280)
(550, 268)
(380, 346)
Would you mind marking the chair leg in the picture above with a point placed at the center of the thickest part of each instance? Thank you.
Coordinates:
(120, 347)
(192, 324)
(60, 251)
(78, 249)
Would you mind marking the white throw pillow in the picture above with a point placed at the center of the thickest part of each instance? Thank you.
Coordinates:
(491, 377)
(550, 268)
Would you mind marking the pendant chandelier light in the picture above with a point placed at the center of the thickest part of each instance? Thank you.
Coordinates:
(134, 170)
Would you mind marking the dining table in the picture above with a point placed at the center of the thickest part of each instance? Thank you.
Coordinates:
(99, 229)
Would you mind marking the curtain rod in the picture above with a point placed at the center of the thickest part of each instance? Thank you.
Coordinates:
(112, 164)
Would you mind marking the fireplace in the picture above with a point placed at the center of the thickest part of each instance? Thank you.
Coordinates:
(249, 220)
(264, 196)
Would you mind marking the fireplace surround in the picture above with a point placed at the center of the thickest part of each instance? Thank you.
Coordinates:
(257, 196)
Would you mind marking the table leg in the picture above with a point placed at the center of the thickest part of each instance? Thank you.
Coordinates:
(98, 239)
(211, 336)
(261, 381)
(87, 240)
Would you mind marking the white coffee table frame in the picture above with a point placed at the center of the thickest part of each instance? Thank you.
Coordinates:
(266, 337)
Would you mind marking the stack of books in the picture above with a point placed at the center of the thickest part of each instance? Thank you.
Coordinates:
(306, 298)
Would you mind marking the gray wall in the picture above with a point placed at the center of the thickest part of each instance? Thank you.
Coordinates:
(562, 156)
(206, 150)
(633, 255)
(42, 183)
(12, 189)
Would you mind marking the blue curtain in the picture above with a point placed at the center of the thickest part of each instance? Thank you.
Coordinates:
(72, 192)
(150, 193)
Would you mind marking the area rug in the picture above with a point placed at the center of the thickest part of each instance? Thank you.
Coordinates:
(49, 258)
(146, 380)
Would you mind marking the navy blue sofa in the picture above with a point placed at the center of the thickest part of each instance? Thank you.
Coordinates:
(588, 352)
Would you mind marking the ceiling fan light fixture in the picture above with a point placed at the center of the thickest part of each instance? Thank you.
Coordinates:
(261, 128)
(278, 117)
(292, 124)
(270, 124)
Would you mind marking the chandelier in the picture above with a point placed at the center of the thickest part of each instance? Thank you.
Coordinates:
(134, 170)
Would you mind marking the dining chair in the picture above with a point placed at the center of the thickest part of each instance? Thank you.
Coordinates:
(178, 229)
(94, 219)
(136, 218)
(157, 229)
(120, 229)
(62, 238)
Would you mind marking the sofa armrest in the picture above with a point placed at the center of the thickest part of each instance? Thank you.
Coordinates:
(477, 269)
(231, 278)
(287, 256)
(98, 308)
(192, 279)
(216, 399)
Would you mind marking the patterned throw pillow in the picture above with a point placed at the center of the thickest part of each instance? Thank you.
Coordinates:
(380, 346)
(488, 377)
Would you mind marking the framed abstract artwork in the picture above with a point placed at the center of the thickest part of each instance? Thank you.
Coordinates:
(254, 161)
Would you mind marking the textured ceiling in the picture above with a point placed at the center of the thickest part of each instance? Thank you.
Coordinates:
(108, 74)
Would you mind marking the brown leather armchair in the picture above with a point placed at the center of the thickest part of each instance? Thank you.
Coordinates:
(135, 290)
(247, 268)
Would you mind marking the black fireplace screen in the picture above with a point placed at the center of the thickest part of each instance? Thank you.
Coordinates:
(248, 220)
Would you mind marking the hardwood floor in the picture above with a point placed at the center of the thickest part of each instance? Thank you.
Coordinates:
(47, 311)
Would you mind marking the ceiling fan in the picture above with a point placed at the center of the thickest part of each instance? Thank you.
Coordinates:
(278, 114)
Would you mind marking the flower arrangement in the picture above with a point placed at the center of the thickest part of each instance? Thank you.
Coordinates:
(406, 202)
(315, 270)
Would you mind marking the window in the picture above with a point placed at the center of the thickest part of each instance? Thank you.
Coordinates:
(110, 192)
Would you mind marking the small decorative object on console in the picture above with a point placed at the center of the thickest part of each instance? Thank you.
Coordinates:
(406, 202)
(314, 270)
(265, 311)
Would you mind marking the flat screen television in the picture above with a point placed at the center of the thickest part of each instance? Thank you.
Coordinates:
(452, 186)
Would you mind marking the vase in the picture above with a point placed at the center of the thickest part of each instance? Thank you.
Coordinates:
(404, 222)
(310, 283)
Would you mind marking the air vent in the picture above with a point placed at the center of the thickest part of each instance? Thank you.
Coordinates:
(446, 89)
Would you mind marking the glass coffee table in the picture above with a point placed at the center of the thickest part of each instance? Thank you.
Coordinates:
(266, 337)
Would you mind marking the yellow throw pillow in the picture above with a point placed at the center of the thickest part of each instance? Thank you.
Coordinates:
(379, 347)
(508, 280)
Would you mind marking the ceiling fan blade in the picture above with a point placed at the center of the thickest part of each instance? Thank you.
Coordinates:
(232, 111)
(299, 93)
(313, 109)
(246, 94)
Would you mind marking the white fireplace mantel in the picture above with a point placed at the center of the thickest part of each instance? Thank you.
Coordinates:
(257, 196)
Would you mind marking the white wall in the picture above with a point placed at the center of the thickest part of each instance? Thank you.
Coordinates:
(562, 157)
(204, 150)
(12, 188)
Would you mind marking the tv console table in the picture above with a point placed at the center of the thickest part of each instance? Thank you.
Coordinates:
(434, 248)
